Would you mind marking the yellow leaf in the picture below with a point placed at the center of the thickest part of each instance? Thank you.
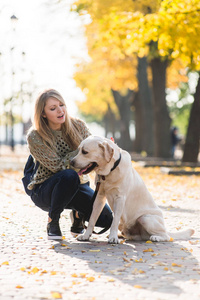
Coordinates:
(111, 280)
(194, 242)
(148, 242)
(137, 286)
(74, 275)
(5, 263)
(122, 242)
(23, 269)
(83, 275)
(53, 272)
(35, 270)
(56, 295)
(176, 265)
(90, 279)
(125, 259)
(139, 260)
(166, 269)
(148, 250)
(171, 239)
(19, 287)
(97, 250)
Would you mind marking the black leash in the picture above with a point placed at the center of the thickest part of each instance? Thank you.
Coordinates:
(97, 189)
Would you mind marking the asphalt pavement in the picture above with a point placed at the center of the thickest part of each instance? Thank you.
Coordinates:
(32, 267)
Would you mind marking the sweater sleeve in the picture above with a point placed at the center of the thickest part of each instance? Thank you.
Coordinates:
(46, 155)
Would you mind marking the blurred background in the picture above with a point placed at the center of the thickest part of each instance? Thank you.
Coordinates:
(129, 69)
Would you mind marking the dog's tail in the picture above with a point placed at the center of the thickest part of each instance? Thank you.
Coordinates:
(182, 235)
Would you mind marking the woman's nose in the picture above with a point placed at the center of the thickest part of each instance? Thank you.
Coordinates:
(59, 109)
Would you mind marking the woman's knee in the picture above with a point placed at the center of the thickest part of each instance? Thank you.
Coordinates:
(69, 177)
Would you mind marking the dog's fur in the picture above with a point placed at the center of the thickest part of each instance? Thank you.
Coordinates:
(136, 214)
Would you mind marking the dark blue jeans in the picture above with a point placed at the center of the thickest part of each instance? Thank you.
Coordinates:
(64, 191)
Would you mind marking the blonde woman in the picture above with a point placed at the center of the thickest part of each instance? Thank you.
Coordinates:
(53, 141)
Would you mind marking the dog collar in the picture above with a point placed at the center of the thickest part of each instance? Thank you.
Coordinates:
(116, 163)
(114, 167)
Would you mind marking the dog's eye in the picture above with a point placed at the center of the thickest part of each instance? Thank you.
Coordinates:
(84, 152)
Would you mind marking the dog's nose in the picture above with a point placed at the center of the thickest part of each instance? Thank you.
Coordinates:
(71, 162)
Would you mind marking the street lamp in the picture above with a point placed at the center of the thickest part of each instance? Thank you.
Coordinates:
(13, 19)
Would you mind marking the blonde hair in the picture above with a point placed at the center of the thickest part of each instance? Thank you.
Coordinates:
(69, 128)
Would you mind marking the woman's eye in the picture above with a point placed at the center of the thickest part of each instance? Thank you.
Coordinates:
(52, 109)
(84, 152)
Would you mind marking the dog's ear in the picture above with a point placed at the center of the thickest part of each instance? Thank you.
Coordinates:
(107, 150)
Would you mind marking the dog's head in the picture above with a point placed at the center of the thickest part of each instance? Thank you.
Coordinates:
(95, 153)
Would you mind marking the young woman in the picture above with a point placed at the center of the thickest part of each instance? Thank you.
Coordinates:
(53, 141)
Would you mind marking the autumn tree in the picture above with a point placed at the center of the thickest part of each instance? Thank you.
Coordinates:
(156, 30)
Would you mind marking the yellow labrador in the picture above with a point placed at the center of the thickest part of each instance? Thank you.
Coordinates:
(136, 214)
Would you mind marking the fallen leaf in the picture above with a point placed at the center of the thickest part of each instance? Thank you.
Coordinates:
(148, 250)
(139, 260)
(91, 279)
(56, 295)
(194, 242)
(34, 270)
(125, 259)
(176, 265)
(53, 272)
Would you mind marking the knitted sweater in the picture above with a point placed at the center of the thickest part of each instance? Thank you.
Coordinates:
(51, 161)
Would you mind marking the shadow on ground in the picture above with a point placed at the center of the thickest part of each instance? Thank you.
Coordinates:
(152, 266)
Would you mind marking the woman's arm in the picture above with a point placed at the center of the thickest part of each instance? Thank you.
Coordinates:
(46, 155)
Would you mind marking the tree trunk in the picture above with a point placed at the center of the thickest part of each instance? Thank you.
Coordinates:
(123, 103)
(145, 99)
(161, 115)
(138, 142)
(191, 148)
(110, 122)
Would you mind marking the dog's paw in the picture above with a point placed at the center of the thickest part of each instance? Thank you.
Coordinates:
(158, 238)
(113, 240)
(83, 237)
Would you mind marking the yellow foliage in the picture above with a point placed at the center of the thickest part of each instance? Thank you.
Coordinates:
(120, 31)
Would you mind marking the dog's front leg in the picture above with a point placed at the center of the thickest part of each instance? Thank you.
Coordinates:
(117, 209)
(97, 208)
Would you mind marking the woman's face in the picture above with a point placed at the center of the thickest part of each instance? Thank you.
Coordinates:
(55, 112)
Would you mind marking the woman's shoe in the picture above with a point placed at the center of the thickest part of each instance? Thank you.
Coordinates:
(53, 230)
(77, 223)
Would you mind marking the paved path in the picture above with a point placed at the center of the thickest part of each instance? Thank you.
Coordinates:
(31, 267)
